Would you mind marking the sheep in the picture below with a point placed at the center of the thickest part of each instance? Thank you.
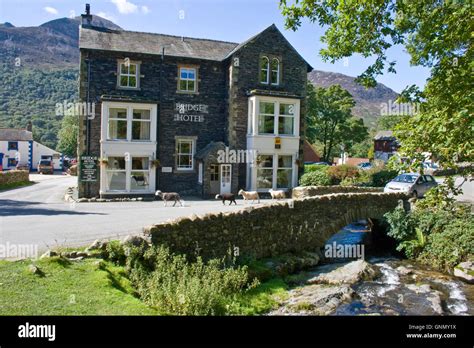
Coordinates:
(249, 195)
(277, 194)
(227, 197)
(169, 196)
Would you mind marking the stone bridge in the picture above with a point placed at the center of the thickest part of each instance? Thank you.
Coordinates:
(296, 225)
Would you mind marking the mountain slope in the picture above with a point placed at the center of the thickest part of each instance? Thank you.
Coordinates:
(367, 100)
(39, 68)
(52, 45)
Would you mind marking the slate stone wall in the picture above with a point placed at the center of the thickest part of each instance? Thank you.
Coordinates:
(310, 191)
(273, 229)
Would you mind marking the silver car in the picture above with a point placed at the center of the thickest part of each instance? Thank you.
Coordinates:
(413, 184)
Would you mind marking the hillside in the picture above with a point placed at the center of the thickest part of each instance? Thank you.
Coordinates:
(367, 100)
(39, 68)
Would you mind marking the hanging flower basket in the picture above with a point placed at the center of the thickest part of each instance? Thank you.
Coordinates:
(103, 161)
(155, 163)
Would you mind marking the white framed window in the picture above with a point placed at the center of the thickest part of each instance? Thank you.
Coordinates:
(266, 118)
(185, 149)
(117, 124)
(275, 118)
(116, 171)
(131, 123)
(275, 72)
(187, 79)
(140, 174)
(284, 171)
(128, 74)
(264, 70)
(286, 119)
(274, 171)
(264, 171)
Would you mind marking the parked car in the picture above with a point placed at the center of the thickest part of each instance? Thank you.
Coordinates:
(45, 167)
(412, 184)
(365, 165)
(318, 163)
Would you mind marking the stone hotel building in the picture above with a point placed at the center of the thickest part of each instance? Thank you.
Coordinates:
(167, 108)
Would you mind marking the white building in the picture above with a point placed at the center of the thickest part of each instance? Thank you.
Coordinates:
(17, 147)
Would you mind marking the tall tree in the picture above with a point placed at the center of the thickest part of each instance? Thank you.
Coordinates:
(329, 120)
(68, 134)
(436, 34)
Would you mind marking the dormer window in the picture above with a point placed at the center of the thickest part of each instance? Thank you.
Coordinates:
(275, 73)
(128, 74)
(264, 70)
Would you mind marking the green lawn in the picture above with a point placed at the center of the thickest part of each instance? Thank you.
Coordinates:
(97, 287)
(88, 287)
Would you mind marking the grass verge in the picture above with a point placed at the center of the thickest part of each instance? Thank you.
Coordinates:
(15, 185)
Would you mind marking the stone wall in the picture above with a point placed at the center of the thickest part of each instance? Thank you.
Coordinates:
(310, 191)
(269, 230)
(14, 176)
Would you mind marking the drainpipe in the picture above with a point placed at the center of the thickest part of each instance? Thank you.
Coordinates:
(88, 121)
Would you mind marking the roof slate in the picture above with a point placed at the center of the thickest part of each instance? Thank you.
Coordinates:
(15, 134)
(150, 43)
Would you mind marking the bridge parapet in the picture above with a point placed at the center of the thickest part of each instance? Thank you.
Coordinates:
(269, 230)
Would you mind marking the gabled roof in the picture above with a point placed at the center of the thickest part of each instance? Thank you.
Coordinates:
(15, 134)
(210, 148)
(271, 27)
(97, 38)
(384, 135)
(149, 43)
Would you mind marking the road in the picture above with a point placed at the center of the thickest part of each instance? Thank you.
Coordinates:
(38, 215)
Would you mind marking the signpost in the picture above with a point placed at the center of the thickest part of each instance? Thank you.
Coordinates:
(88, 168)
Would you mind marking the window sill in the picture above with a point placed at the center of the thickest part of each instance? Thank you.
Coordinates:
(128, 88)
(186, 92)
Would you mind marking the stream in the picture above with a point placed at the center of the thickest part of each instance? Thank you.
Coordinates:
(400, 286)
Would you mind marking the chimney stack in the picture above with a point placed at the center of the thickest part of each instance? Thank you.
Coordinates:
(87, 18)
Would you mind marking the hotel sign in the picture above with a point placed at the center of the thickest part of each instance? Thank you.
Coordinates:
(88, 165)
(190, 112)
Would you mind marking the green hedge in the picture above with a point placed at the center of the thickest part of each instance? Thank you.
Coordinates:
(315, 178)
(11, 177)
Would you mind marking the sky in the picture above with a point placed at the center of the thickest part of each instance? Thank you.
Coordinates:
(227, 20)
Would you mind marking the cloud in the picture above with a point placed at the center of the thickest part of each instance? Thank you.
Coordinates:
(72, 14)
(124, 6)
(50, 10)
(145, 10)
(106, 16)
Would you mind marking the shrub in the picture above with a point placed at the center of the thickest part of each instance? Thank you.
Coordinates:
(315, 178)
(436, 237)
(179, 287)
(382, 177)
(315, 168)
(115, 252)
(341, 172)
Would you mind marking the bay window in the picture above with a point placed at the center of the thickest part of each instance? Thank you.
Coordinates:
(276, 118)
(284, 171)
(116, 174)
(265, 172)
(140, 174)
(129, 123)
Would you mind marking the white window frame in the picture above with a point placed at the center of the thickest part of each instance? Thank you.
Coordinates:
(192, 140)
(106, 106)
(277, 72)
(128, 75)
(130, 170)
(187, 79)
(128, 173)
(275, 169)
(265, 68)
(254, 115)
